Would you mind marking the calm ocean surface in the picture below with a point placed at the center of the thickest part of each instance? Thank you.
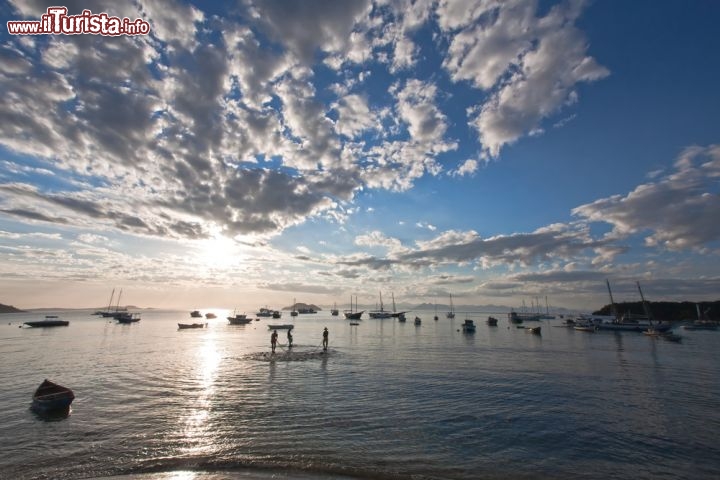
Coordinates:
(389, 400)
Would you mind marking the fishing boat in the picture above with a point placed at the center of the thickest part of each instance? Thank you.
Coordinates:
(127, 317)
(334, 311)
(492, 321)
(354, 324)
(239, 319)
(468, 326)
(630, 322)
(306, 310)
(51, 397)
(401, 318)
(281, 327)
(183, 326)
(381, 313)
(702, 323)
(353, 314)
(294, 312)
(264, 312)
(395, 313)
(533, 330)
(210, 315)
(49, 321)
(196, 314)
(418, 321)
(451, 313)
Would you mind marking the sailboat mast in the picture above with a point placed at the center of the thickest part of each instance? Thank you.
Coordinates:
(112, 295)
(612, 302)
(645, 305)
(117, 309)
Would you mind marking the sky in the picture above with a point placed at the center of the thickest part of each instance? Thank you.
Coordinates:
(255, 153)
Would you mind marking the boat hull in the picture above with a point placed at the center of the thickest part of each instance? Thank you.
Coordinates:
(51, 397)
(48, 323)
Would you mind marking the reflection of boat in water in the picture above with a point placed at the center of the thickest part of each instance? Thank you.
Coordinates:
(51, 397)
(196, 314)
(468, 326)
(183, 326)
(50, 321)
(492, 321)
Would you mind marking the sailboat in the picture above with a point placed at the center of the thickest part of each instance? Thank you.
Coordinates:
(294, 312)
(334, 311)
(381, 313)
(627, 322)
(351, 314)
(436, 315)
(107, 313)
(451, 313)
(395, 313)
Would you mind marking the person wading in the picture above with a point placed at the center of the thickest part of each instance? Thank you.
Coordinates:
(273, 340)
(325, 339)
(289, 339)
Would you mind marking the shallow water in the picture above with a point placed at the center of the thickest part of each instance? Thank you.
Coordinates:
(388, 400)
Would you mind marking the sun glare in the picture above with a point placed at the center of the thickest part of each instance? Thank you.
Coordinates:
(217, 251)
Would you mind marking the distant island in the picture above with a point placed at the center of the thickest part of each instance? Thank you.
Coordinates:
(303, 306)
(9, 309)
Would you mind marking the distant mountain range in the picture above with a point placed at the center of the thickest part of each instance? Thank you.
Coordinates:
(9, 309)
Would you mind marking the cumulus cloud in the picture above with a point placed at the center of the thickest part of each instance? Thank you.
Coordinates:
(674, 211)
(530, 63)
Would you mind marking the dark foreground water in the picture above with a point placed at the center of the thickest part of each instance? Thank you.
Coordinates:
(389, 400)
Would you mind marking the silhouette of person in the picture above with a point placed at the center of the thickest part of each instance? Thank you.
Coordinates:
(325, 339)
(273, 340)
(289, 339)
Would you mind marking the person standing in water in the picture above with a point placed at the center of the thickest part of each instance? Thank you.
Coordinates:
(289, 338)
(325, 339)
(273, 340)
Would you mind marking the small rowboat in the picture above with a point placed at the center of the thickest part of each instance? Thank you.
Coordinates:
(281, 327)
(191, 325)
(50, 321)
(51, 397)
(533, 330)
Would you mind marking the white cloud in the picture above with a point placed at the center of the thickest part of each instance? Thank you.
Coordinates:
(533, 64)
(675, 212)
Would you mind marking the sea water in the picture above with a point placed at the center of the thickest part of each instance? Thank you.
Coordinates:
(386, 400)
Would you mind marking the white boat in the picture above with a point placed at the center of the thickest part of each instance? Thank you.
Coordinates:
(451, 313)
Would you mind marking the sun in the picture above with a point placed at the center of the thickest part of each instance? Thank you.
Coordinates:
(217, 251)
